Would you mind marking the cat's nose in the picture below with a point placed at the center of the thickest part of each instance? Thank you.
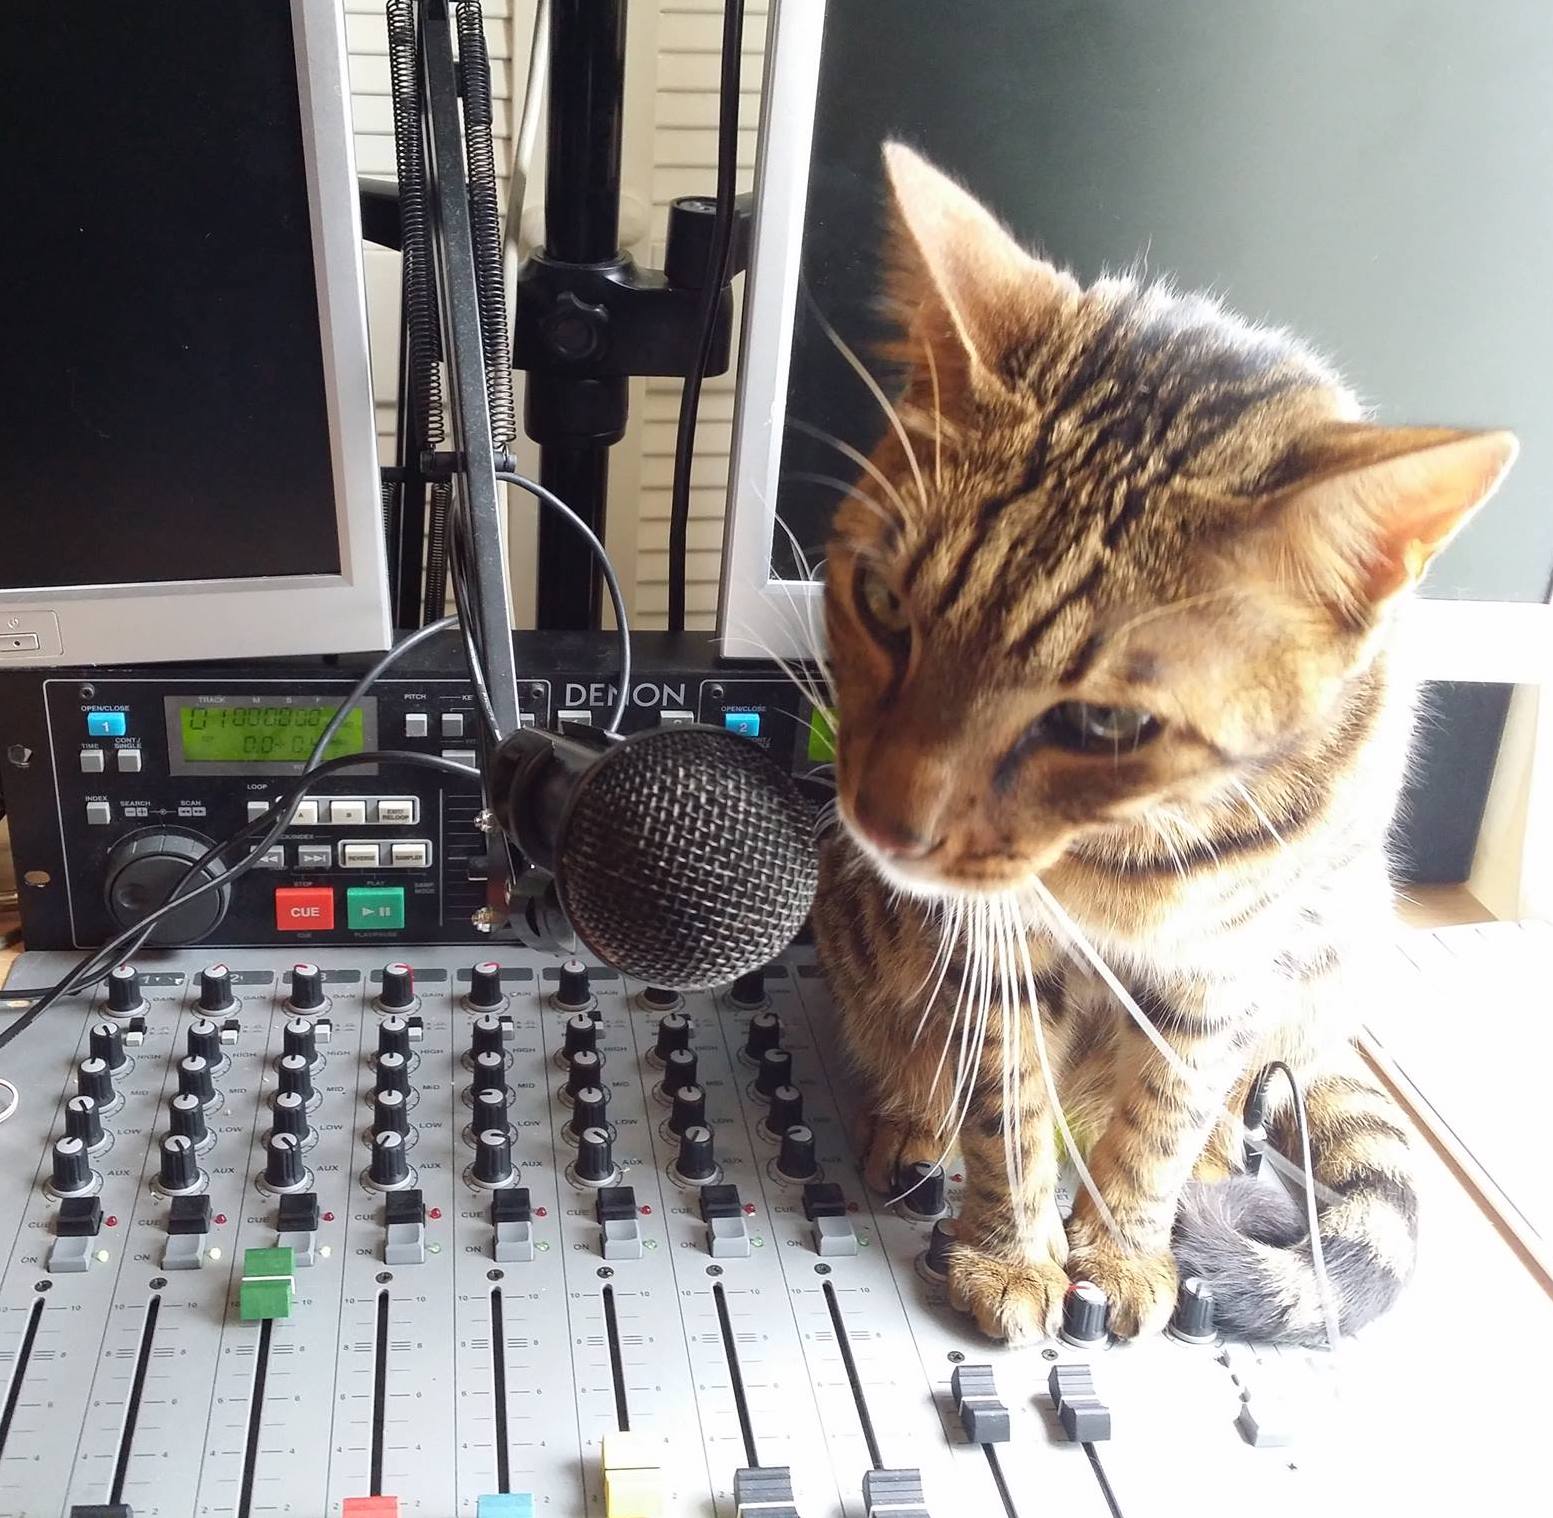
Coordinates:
(893, 835)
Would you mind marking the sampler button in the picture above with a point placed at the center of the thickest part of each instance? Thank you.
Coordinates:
(409, 856)
(303, 909)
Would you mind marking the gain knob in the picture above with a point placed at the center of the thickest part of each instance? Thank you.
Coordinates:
(573, 993)
(390, 1113)
(204, 1039)
(186, 1116)
(490, 1073)
(695, 1162)
(921, 1190)
(180, 1169)
(94, 1079)
(935, 1259)
(307, 989)
(283, 1167)
(393, 1073)
(679, 1071)
(490, 1109)
(589, 1110)
(493, 1158)
(299, 1037)
(485, 992)
(397, 993)
(796, 1160)
(673, 1033)
(1192, 1322)
(595, 1158)
(216, 995)
(784, 1109)
(581, 1033)
(689, 1109)
(390, 1165)
(393, 1037)
(748, 992)
(124, 998)
(486, 1036)
(72, 1168)
(83, 1120)
(296, 1077)
(1085, 1309)
(107, 1044)
(289, 1114)
(776, 1069)
(659, 998)
(765, 1033)
(583, 1069)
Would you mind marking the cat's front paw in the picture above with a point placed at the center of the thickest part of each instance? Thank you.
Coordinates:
(889, 1143)
(1016, 1300)
(1141, 1287)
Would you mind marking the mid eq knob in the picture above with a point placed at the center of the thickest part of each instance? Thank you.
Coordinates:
(299, 1036)
(390, 1165)
(83, 1120)
(289, 1113)
(689, 1109)
(393, 1037)
(583, 1069)
(204, 1039)
(490, 1073)
(179, 1171)
(1192, 1321)
(581, 1033)
(776, 1069)
(307, 989)
(921, 1189)
(485, 992)
(765, 1033)
(124, 998)
(1085, 1308)
(679, 1070)
(397, 993)
(659, 998)
(796, 1158)
(748, 992)
(695, 1162)
(393, 1073)
(673, 1033)
(390, 1113)
(590, 1108)
(186, 1116)
(573, 993)
(283, 1167)
(493, 1157)
(296, 1077)
(95, 1079)
(784, 1109)
(71, 1167)
(106, 1042)
(216, 995)
(595, 1157)
(486, 1036)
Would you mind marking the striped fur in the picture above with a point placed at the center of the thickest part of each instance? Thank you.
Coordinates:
(1123, 497)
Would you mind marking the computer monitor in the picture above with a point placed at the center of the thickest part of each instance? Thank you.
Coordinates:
(187, 444)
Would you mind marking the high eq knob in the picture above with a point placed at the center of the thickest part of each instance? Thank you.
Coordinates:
(289, 1112)
(397, 993)
(673, 1034)
(1085, 1308)
(573, 992)
(921, 1190)
(124, 998)
(784, 1109)
(390, 1165)
(296, 1077)
(1192, 1322)
(590, 1109)
(583, 1070)
(204, 1039)
(393, 1073)
(493, 1158)
(95, 1079)
(179, 1171)
(299, 1036)
(215, 983)
(390, 1113)
(595, 1157)
(776, 1069)
(485, 992)
(659, 998)
(689, 1109)
(486, 1036)
(83, 1120)
(71, 1167)
(186, 1116)
(307, 989)
(748, 992)
(283, 1167)
(581, 1033)
(393, 1037)
(679, 1071)
(106, 1042)
(796, 1159)
(695, 1162)
(765, 1033)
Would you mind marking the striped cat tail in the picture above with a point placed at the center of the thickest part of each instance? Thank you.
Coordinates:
(1249, 1240)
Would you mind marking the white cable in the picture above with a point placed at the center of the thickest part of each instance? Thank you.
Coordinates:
(9, 1110)
(523, 147)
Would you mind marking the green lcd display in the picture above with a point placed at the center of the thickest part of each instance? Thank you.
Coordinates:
(264, 734)
(822, 735)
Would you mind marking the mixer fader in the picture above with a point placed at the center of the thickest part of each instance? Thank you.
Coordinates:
(518, 1237)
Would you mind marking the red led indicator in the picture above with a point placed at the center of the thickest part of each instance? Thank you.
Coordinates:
(111, 1220)
(957, 1179)
(328, 1217)
(220, 1218)
(749, 1208)
(851, 1206)
(434, 1213)
(646, 1212)
(541, 1212)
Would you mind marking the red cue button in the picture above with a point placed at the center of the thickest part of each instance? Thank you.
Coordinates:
(304, 909)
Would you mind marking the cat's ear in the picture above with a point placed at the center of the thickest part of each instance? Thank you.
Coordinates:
(1376, 504)
(959, 282)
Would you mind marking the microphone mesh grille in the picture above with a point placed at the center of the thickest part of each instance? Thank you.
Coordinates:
(687, 857)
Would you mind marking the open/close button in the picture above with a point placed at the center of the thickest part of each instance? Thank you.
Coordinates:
(304, 909)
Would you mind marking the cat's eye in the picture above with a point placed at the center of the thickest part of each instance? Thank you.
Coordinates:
(1081, 725)
(879, 606)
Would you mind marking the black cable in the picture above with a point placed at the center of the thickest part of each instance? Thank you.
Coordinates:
(711, 297)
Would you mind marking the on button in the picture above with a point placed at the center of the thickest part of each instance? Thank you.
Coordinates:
(304, 909)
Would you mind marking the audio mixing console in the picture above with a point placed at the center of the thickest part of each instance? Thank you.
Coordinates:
(522, 1238)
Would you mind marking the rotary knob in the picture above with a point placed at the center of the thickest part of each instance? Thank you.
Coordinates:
(186, 1116)
(390, 1165)
(486, 1036)
(695, 1162)
(490, 1073)
(1085, 1309)
(776, 1069)
(784, 1109)
(72, 1168)
(581, 1033)
(485, 992)
(124, 998)
(765, 1033)
(289, 1113)
(679, 1070)
(595, 1157)
(180, 1170)
(296, 1077)
(748, 992)
(397, 993)
(299, 1036)
(590, 1109)
(689, 1109)
(659, 998)
(216, 995)
(393, 1073)
(195, 1079)
(573, 993)
(583, 1069)
(95, 1079)
(307, 989)
(393, 1037)
(795, 1159)
(490, 1108)
(144, 869)
(283, 1167)
(1192, 1321)
(935, 1259)
(921, 1188)
(673, 1033)
(107, 1044)
(493, 1157)
(83, 1120)
(204, 1039)
(390, 1113)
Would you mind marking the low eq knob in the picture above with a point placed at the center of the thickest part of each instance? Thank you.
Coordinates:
(393, 1037)
(485, 992)
(921, 1190)
(390, 1113)
(307, 989)
(689, 1109)
(695, 1162)
(283, 1167)
(486, 1036)
(186, 1116)
(1085, 1309)
(299, 1036)
(106, 1042)
(289, 1114)
(659, 998)
(590, 1108)
(679, 1070)
(1192, 1321)
(83, 1120)
(776, 1069)
(493, 1158)
(595, 1157)
(295, 1076)
(393, 1073)
(94, 1079)
(582, 1033)
(390, 1164)
(180, 1169)
(124, 997)
(573, 993)
(940, 1243)
(784, 1109)
(490, 1073)
(215, 986)
(673, 1033)
(796, 1159)
(397, 993)
(748, 992)
(765, 1033)
(490, 1109)
(583, 1069)
(71, 1167)
(204, 1039)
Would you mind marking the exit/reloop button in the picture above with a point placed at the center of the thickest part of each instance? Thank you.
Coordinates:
(304, 909)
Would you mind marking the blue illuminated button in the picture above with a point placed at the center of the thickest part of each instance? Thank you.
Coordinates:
(745, 724)
(505, 1505)
(105, 724)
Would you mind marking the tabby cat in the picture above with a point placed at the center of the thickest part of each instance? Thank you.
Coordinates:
(1108, 615)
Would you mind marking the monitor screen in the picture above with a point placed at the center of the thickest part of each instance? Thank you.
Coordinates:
(162, 392)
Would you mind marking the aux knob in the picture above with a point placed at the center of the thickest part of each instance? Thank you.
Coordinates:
(283, 1167)
(299, 1036)
(124, 998)
(679, 1070)
(776, 1069)
(397, 993)
(390, 1165)
(485, 992)
(493, 1158)
(393, 1073)
(573, 993)
(289, 1112)
(695, 1162)
(748, 992)
(1192, 1322)
(583, 1069)
(95, 1079)
(72, 1169)
(296, 1076)
(180, 1170)
(83, 1120)
(485, 1036)
(673, 1033)
(795, 1159)
(107, 1044)
(765, 1033)
(393, 1037)
(689, 1109)
(1085, 1308)
(204, 1039)
(921, 1190)
(589, 1110)
(595, 1157)
(307, 989)
(582, 1033)
(186, 1116)
(390, 1113)
(784, 1109)
(490, 1108)
(215, 984)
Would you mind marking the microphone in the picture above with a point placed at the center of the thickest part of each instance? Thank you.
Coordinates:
(683, 856)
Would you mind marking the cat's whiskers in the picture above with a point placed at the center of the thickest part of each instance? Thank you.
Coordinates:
(855, 456)
(801, 681)
(1256, 811)
(938, 418)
